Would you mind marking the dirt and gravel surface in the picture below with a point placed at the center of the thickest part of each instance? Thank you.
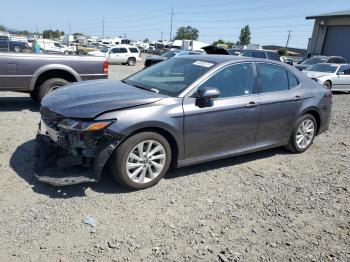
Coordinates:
(268, 206)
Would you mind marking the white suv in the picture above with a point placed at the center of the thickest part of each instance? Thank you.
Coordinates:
(124, 54)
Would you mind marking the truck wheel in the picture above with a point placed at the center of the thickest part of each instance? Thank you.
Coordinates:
(131, 61)
(81, 52)
(49, 86)
(17, 49)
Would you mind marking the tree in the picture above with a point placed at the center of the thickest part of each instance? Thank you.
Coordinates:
(146, 40)
(76, 34)
(49, 34)
(219, 42)
(187, 33)
(244, 38)
(282, 51)
(2, 28)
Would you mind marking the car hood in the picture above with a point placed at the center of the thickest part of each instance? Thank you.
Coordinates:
(302, 66)
(91, 98)
(315, 74)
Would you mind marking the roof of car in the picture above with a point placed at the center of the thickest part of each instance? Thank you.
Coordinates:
(219, 59)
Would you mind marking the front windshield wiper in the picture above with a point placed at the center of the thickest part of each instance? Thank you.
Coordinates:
(141, 87)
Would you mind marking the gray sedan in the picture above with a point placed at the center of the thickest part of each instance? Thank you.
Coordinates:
(182, 111)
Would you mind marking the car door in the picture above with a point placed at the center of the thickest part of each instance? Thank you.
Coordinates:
(342, 79)
(123, 55)
(280, 100)
(230, 124)
(113, 55)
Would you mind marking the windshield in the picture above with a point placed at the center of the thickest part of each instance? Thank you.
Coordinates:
(169, 54)
(314, 60)
(170, 77)
(104, 49)
(325, 68)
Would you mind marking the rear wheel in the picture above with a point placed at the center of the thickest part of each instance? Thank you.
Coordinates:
(131, 61)
(47, 87)
(17, 49)
(141, 161)
(328, 85)
(303, 134)
(81, 52)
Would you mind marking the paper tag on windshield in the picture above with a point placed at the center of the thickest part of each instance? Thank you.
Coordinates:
(202, 63)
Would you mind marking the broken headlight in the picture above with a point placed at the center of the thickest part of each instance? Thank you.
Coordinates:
(84, 126)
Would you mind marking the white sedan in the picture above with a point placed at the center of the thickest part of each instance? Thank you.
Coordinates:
(335, 77)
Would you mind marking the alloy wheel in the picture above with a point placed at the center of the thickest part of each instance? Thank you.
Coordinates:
(305, 134)
(145, 161)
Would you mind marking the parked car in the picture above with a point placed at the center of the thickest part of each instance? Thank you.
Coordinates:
(183, 111)
(124, 54)
(84, 49)
(102, 52)
(9, 44)
(335, 77)
(264, 54)
(151, 60)
(320, 59)
(39, 74)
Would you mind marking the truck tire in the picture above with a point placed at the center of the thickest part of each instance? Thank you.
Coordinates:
(81, 52)
(48, 86)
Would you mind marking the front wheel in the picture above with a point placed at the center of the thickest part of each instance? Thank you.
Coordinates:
(328, 85)
(48, 86)
(17, 49)
(303, 134)
(131, 61)
(141, 161)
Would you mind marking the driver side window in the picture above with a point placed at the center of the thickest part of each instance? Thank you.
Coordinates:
(345, 69)
(234, 80)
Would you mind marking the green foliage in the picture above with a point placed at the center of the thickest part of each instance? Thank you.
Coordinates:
(282, 52)
(146, 40)
(187, 33)
(245, 36)
(50, 34)
(2, 28)
(76, 34)
(229, 44)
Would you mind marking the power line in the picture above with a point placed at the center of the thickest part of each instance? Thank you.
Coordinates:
(171, 24)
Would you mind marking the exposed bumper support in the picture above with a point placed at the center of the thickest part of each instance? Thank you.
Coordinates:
(54, 165)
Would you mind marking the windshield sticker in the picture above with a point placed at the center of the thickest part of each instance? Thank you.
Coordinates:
(202, 63)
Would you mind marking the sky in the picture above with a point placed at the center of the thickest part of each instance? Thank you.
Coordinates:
(269, 20)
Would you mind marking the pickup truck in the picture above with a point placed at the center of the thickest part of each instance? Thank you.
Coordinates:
(9, 44)
(39, 74)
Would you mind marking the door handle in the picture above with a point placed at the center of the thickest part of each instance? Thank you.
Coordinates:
(251, 105)
(298, 98)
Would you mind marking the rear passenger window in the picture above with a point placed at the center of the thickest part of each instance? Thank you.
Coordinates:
(123, 50)
(273, 56)
(133, 50)
(115, 50)
(259, 54)
(293, 82)
(272, 78)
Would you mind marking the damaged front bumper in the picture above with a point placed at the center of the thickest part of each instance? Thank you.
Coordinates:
(57, 164)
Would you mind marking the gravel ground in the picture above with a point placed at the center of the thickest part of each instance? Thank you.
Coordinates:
(268, 206)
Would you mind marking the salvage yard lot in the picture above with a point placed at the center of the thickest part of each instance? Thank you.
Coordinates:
(267, 206)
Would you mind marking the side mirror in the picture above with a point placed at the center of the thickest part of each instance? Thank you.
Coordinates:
(205, 96)
(340, 73)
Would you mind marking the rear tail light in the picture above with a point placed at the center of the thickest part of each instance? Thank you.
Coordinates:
(328, 94)
(105, 67)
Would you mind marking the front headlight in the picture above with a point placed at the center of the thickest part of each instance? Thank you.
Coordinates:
(89, 126)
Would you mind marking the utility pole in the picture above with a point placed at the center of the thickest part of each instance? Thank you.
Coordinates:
(171, 24)
(103, 27)
(288, 38)
(161, 36)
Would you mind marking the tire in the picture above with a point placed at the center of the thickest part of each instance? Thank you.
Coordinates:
(81, 52)
(48, 86)
(17, 49)
(328, 85)
(66, 52)
(131, 61)
(122, 156)
(34, 96)
(297, 133)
